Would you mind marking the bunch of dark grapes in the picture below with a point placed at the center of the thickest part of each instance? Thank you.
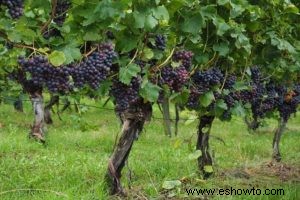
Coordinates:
(256, 100)
(185, 57)
(289, 105)
(258, 91)
(175, 78)
(160, 42)
(230, 100)
(110, 35)
(61, 11)
(42, 73)
(95, 68)
(205, 80)
(297, 89)
(229, 82)
(15, 7)
(142, 64)
(126, 96)
(193, 100)
(288, 108)
(202, 82)
(255, 74)
(52, 32)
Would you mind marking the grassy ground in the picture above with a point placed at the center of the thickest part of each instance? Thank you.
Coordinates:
(73, 163)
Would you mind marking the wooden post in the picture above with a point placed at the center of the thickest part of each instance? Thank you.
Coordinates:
(166, 116)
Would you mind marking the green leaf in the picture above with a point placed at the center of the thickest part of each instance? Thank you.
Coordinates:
(208, 169)
(238, 110)
(195, 155)
(208, 12)
(150, 22)
(191, 119)
(291, 8)
(126, 73)
(57, 58)
(193, 25)
(149, 91)
(139, 19)
(72, 54)
(207, 98)
(91, 36)
(168, 185)
(223, 2)
(239, 85)
(254, 26)
(222, 48)
(236, 10)
(221, 104)
(148, 53)
(30, 14)
(127, 43)
(221, 26)
(161, 13)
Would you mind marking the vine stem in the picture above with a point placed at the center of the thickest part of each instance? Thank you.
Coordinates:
(53, 11)
(131, 61)
(133, 58)
(38, 190)
(244, 72)
(165, 62)
(204, 49)
(194, 70)
(197, 66)
(28, 47)
(90, 52)
(266, 78)
(226, 75)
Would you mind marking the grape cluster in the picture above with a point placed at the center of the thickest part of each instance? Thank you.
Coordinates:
(193, 100)
(269, 97)
(160, 42)
(175, 78)
(52, 32)
(15, 7)
(229, 82)
(124, 95)
(289, 106)
(255, 74)
(110, 35)
(205, 80)
(202, 82)
(142, 64)
(185, 57)
(95, 68)
(61, 11)
(42, 73)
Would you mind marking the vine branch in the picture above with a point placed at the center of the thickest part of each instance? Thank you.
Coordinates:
(53, 11)
(165, 62)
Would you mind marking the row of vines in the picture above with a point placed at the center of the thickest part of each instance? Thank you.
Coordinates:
(216, 57)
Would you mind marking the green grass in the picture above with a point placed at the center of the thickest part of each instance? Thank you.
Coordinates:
(73, 163)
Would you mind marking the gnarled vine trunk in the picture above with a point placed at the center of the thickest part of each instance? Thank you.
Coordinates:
(203, 144)
(276, 139)
(38, 109)
(253, 124)
(132, 124)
